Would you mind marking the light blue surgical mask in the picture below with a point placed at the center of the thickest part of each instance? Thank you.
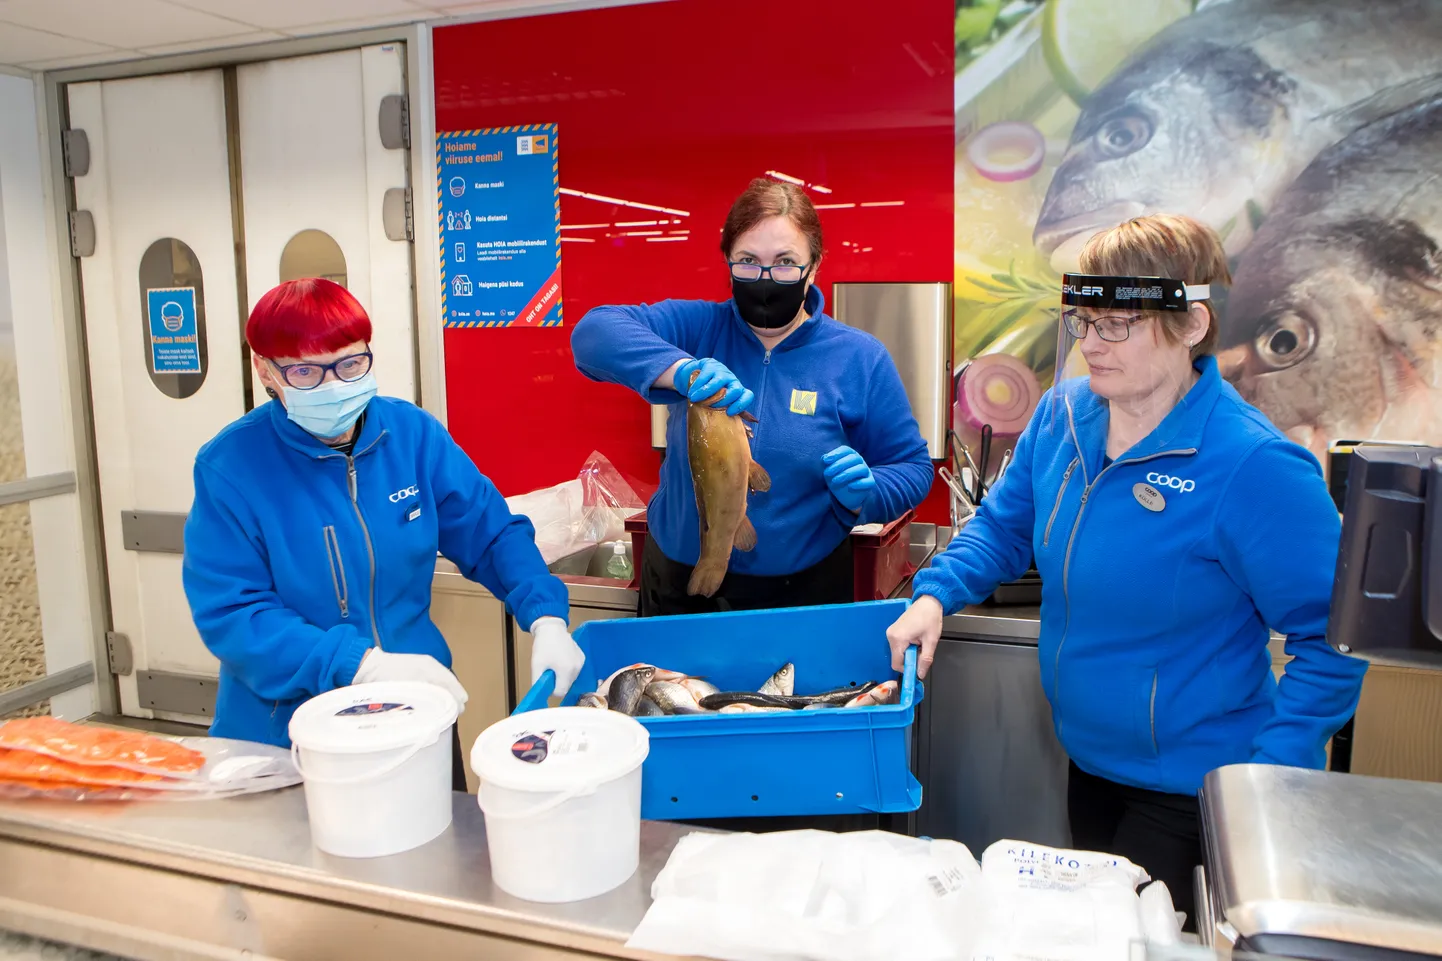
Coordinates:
(331, 409)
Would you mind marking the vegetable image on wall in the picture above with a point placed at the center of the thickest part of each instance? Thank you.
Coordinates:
(174, 337)
(1305, 132)
(500, 226)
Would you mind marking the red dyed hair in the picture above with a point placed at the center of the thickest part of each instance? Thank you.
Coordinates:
(306, 317)
(763, 199)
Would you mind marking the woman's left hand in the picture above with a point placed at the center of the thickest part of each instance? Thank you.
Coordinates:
(848, 478)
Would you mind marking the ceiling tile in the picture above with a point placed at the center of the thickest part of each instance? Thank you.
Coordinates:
(23, 45)
(192, 46)
(337, 26)
(131, 24)
(286, 14)
(65, 63)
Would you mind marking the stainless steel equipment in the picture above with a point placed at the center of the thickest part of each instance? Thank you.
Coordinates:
(914, 322)
(1321, 866)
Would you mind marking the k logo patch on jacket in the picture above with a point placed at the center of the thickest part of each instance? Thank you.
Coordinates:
(803, 402)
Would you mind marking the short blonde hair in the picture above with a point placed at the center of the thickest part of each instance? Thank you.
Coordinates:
(1163, 245)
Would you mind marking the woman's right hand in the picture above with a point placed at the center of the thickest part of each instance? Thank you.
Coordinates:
(920, 626)
(714, 376)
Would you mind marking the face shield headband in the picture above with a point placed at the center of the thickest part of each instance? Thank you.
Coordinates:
(1129, 293)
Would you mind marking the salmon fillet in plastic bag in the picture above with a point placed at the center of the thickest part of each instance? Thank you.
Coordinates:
(28, 766)
(83, 744)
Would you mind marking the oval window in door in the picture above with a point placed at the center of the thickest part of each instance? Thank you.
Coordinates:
(172, 308)
(312, 253)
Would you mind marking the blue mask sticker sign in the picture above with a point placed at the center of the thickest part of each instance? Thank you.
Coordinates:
(500, 226)
(174, 335)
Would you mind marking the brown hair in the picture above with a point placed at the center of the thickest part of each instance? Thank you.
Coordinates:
(1163, 245)
(763, 199)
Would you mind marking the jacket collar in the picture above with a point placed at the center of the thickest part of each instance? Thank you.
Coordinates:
(816, 316)
(299, 439)
(1181, 430)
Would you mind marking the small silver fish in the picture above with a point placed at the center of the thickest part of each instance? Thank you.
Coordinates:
(628, 687)
(672, 698)
(661, 675)
(649, 708)
(783, 682)
(591, 699)
(699, 688)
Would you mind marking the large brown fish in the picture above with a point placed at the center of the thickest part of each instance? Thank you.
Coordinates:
(722, 472)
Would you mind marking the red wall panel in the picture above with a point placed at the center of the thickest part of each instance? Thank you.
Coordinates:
(677, 105)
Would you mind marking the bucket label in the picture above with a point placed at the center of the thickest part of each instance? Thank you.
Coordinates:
(355, 709)
(532, 748)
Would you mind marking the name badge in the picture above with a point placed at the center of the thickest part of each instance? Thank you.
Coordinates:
(1149, 497)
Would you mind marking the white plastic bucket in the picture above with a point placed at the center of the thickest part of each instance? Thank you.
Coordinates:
(561, 792)
(377, 766)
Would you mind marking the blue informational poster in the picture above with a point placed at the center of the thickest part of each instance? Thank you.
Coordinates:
(500, 212)
(174, 334)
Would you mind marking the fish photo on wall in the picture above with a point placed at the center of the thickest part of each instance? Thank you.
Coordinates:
(1303, 131)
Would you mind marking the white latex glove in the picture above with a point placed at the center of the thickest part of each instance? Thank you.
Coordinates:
(553, 649)
(380, 665)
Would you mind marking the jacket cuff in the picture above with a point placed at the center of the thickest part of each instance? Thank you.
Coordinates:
(538, 609)
(348, 661)
(927, 583)
(660, 395)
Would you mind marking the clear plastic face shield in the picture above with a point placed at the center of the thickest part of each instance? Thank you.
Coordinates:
(1111, 331)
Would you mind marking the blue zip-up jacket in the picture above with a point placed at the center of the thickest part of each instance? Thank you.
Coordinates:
(825, 386)
(299, 559)
(1154, 624)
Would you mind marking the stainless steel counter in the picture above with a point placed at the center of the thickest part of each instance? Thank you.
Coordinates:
(239, 878)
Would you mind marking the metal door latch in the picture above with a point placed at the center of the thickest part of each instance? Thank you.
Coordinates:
(82, 233)
(117, 647)
(395, 122)
(75, 151)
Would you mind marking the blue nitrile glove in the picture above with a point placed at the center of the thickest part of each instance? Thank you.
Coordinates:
(848, 477)
(714, 376)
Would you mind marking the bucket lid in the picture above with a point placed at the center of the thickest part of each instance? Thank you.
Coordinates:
(379, 716)
(559, 749)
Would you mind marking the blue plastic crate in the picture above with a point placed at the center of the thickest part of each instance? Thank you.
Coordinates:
(844, 761)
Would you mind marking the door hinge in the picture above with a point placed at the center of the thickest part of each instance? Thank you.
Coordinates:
(117, 647)
(75, 150)
(82, 233)
(395, 122)
(397, 214)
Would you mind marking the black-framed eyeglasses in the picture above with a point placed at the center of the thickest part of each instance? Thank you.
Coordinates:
(749, 273)
(308, 376)
(1112, 328)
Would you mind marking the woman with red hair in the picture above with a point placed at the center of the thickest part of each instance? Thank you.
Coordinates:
(311, 545)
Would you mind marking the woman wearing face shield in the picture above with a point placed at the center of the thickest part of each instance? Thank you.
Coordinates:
(1173, 525)
(833, 425)
(311, 544)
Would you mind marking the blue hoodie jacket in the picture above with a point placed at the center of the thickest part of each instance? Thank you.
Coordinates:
(299, 559)
(1154, 624)
(825, 386)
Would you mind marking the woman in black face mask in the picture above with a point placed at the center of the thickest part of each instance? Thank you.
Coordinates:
(833, 425)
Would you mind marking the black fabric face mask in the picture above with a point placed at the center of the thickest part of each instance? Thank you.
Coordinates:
(765, 303)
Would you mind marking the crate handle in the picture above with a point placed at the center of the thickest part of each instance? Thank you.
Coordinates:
(908, 676)
(539, 694)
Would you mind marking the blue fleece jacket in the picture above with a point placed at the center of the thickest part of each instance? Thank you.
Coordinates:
(299, 559)
(1155, 623)
(825, 386)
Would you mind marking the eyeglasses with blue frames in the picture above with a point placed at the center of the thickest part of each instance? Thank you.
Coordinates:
(1112, 328)
(748, 272)
(308, 376)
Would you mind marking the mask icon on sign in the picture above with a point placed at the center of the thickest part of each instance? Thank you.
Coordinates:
(172, 316)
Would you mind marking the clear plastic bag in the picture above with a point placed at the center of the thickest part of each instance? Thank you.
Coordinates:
(228, 768)
(580, 513)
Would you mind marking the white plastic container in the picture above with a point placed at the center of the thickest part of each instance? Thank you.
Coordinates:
(376, 759)
(561, 792)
